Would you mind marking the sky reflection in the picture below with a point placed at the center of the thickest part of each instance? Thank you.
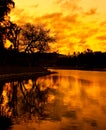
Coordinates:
(67, 100)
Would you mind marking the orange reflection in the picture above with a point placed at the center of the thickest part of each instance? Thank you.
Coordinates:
(6, 96)
(79, 95)
(69, 99)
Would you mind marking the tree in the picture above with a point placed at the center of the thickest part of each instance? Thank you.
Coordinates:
(36, 38)
(13, 32)
(5, 8)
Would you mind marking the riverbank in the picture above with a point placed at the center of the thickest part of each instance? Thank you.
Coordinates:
(78, 68)
(20, 72)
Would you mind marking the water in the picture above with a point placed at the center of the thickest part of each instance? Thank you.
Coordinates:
(67, 100)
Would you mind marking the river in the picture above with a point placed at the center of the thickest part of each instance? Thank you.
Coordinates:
(66, 100)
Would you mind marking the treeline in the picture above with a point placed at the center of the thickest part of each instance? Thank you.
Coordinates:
(15, 58)
(83, 60)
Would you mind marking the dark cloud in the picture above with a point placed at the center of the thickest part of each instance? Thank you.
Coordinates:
(72, 5)
(82, 41)
(102, 37)
(72, 19)
(59, 21)
(91, 11)
(55, 16)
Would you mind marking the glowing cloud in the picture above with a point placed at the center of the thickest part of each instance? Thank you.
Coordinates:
(77, 24)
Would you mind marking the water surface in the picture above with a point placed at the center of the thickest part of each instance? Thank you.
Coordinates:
(67, 100)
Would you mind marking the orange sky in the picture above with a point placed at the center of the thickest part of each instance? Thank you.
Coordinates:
(77, 24)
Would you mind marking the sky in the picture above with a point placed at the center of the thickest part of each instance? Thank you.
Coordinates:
(76, 24)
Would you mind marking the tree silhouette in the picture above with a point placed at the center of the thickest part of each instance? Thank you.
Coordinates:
(5, 8)
(13, 32)
(36, 38)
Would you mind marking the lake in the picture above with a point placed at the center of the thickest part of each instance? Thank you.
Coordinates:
(66, 100)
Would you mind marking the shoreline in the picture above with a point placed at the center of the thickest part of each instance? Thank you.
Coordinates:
(8, 73)
(79, 68)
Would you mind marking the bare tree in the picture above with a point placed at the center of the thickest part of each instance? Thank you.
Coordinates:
(36, 38)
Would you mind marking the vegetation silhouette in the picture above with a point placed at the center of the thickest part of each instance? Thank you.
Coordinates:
(30, 45)
(36, 38)
(13, 33)
(5, 8)
(88, 60)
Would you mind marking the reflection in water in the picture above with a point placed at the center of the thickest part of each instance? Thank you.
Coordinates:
(68, 100)
(22, 101)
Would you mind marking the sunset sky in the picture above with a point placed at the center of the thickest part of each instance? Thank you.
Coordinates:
(77, 24)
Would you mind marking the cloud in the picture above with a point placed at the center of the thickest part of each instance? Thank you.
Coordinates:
(72, 5)
(20, 16)
(102, 37)
(91, 11)
(71, 19)
(16, 14)
(58, 19)
(89, 33)
(103, 23)
(62, 27)
(74, 31)
(61, 2)
(71, 31)
(34, 6)
(82, 41)
(17, 11)
(55, 16)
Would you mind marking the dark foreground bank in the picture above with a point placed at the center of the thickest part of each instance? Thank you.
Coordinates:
(18, 72)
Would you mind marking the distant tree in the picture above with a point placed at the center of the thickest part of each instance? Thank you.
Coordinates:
(88, 51)
(5, 8)
(36, 38)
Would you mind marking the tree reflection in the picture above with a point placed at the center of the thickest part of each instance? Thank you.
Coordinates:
(5, 112)
(24, 99)
(54, 99)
